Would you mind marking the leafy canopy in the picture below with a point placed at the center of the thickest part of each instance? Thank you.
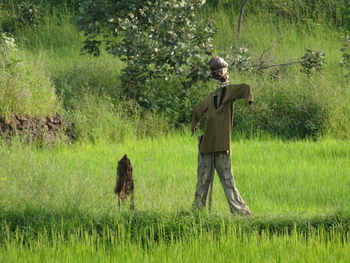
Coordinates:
(157, 39)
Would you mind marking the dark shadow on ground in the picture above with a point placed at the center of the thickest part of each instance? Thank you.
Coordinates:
(155, 226)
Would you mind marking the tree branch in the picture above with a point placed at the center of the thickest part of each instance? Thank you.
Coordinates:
(261, 66)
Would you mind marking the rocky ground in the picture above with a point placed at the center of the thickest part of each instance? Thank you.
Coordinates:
(42, 129)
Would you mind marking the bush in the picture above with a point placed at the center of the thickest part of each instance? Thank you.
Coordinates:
(95, 118)
(28, 14)
(7, 23)
(98, 118)
(289, 111)
(345, 62)
(156, 40)
(25, 90)
(312, 60)
(98, 76)
(338, 124)
(167, 97)
(335, 12)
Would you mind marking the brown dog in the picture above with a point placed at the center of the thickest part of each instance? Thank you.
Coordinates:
(125, 182)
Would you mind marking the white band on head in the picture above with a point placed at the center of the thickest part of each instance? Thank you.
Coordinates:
(220, 69)
(223, 71)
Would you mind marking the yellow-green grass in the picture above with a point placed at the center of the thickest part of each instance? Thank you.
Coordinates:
(288, 103)
(274, 176)
(57, 203)
(207, 247)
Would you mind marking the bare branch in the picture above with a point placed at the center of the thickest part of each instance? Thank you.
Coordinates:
(261, 66)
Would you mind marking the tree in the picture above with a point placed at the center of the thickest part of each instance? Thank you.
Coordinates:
(240, 18)
(157, 39)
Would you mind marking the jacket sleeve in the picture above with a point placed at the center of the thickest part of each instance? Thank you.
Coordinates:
(199, 111)
(242, 91)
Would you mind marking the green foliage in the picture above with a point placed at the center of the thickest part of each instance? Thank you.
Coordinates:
(28, 14)
(24, 88)
(98, 76)
(156, 39)
(20, 15)
(56, 43)
(239, 59)
(6, 21)
(298, 110)
(346, 55)
(154, 243)
(312, 60)
(335, 12)
(8, 52)
(168, 98)
(68, 179)
(96, 118)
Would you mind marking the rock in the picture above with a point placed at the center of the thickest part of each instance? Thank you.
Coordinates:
(57, 119)
(5, 128)
(18, 118)
(14, 125)
(46, 129)
(25, 124)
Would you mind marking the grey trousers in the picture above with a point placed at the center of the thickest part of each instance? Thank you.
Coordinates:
(221, 162)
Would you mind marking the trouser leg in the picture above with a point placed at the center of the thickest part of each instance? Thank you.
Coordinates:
(234, 199)
(205, 173)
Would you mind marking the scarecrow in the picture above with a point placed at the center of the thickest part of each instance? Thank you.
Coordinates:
(214, 145)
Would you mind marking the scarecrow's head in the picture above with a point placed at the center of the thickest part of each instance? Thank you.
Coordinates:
(218, 67)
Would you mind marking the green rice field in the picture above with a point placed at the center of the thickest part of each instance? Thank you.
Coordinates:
(57, 203)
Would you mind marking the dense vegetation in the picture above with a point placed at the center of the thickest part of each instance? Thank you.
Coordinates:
(60, 201)
(289, 103)
(57, 203)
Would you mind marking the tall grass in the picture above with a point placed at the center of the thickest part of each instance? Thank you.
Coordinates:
(256, 247)
(274, 177)
(58, 202)
(288, 103)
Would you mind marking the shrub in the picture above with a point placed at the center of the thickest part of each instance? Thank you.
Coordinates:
(7, 21)
(8, 51)
(335, 12)
(98, 118)
(98, 76)
(345, 62)
(168, 98)
(338, 124)
(28, 14)
(95, 118)
(239, 59)
(24, 88)
(156, 40)
(312, 60)
(298, 110)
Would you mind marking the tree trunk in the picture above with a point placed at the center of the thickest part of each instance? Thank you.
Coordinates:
(240, 19)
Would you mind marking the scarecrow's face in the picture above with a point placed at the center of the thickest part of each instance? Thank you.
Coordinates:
(223, 75)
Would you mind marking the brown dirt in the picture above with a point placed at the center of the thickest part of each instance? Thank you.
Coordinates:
(45, 129)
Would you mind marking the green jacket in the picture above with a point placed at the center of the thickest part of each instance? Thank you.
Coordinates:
(218, 129)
